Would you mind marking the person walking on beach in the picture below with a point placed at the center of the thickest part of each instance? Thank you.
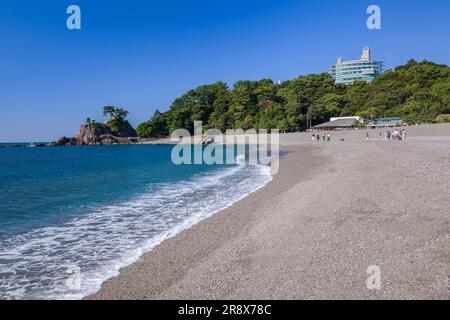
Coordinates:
(396, 135)
(367, 136)
(313, 137)
(404, 135)
(323, 137)
(318, 137)
(328, 137)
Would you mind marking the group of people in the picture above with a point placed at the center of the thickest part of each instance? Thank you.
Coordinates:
(399, 135)
(325, 137)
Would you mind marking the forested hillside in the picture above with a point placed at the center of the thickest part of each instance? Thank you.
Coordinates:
(415, 91)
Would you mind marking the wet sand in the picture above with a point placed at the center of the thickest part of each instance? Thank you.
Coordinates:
(333, 210)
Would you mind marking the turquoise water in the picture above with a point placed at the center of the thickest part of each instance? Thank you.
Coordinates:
(85, 212)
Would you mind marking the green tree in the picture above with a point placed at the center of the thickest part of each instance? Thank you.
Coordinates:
(156, 127)
(114, 112)
(117, 123)
(416, 91)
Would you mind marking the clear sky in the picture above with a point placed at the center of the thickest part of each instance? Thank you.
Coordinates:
(141, 55)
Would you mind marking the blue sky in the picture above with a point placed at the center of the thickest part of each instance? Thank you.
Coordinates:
(141, 55)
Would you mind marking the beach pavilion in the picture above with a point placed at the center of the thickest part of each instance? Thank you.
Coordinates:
(385, 123)
(338, 124)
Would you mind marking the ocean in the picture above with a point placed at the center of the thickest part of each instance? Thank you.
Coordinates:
(71, 217)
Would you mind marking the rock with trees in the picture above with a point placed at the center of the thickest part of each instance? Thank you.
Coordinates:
(95, 133)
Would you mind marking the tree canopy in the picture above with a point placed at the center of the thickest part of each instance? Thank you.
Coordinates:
(114, 112)
(116, 123)
(415, 91)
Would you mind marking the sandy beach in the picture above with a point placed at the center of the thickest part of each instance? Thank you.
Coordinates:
(333, 210)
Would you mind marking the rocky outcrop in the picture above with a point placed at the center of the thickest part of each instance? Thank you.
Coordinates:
(97, 134)
(109, 141)
(63, 141)
(90, 134)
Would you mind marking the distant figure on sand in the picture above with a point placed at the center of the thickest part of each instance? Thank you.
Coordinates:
(404, 135)
(367, 136)
(397, 135)
(329, 137)
(313, 137)
(318, 137)
(323, 136)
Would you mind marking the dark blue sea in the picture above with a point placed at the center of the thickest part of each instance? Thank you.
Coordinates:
(71, 217)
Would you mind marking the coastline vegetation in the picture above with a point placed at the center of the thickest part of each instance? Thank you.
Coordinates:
(116, 125)
(417, 92)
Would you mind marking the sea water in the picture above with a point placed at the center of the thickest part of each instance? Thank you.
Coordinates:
(71, 217)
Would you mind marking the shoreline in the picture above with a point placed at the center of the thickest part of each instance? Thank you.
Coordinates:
(221, 217)
(433, 128)
(286, 241)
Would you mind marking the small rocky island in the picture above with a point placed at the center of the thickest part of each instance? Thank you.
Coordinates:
(117, 130)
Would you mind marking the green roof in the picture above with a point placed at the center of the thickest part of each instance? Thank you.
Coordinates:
(340, 123)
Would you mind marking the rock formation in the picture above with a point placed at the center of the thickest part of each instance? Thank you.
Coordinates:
(117, 130)
(63, 141)
(96, 134)
(90, 134)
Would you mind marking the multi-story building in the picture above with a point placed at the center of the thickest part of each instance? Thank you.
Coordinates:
(365, 69)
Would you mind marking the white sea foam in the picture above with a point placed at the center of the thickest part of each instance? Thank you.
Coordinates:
(36, 265)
